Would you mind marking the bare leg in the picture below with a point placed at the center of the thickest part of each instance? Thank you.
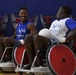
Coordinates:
(8, 42)
(2, 47)
(30, 47)
(40, 43)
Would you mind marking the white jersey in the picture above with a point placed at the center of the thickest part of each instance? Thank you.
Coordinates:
(58, 28)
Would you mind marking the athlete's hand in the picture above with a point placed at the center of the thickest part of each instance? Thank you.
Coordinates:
(22, 41)
(61, 39)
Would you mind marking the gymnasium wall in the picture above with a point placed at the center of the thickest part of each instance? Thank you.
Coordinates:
(35, 7)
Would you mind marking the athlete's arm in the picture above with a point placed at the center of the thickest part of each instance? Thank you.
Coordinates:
(71, 35)
(32, 29)
(71, 24)
(13, 36)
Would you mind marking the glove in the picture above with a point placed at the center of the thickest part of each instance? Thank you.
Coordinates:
(22, 41)
(61, 39)
(19, 42)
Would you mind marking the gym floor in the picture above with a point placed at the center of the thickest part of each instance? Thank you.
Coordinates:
(10, 74)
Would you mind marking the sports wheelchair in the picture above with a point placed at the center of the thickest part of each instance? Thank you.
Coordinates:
(59, 60)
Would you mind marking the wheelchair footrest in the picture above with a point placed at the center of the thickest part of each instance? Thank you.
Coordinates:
(36, 70)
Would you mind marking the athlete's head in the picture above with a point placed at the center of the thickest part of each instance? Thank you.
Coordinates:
(23, 14)
(64, 12)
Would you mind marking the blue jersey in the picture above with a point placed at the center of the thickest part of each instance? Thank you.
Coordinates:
(22, 30)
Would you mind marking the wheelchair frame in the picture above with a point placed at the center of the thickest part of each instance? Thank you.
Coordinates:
(44, 70)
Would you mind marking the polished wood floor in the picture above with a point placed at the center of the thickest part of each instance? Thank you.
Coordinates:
(11, 74)
(8, 74)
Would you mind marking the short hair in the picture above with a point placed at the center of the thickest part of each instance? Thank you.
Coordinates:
(24, 8)
(67, 9)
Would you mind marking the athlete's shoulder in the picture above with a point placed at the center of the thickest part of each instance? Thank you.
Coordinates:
(70, 20)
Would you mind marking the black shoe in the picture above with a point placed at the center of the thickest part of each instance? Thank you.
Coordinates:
(28, 66)
(6, 60)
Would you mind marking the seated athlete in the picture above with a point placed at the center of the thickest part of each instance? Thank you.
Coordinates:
(23, 28)
(63, 28)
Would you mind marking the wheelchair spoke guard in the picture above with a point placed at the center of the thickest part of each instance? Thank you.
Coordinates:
(61, 60)
(18, 55)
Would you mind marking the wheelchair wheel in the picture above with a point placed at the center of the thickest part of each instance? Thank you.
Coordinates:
(60, 60)
(18, 53)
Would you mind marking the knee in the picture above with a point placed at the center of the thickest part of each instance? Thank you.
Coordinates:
(1, 39)
(6, 39)
(36, 38)
(28, 38)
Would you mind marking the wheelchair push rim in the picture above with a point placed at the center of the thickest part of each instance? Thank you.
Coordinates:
(61, 60)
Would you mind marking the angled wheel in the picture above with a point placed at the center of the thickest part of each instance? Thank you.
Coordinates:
(18, 55)
(61, 60)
